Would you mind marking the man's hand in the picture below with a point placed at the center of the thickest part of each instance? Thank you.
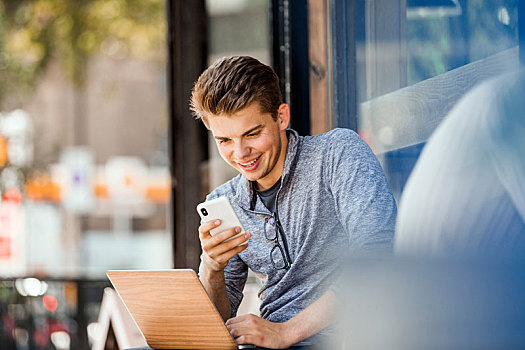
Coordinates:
(250, 329)
(217, 252)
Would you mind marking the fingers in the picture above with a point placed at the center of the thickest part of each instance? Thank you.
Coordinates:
(205, 235)
(218, 250)
(219, 244)
(247, 339)
(223, 259)
(249, 329)
(239, 319)
(209, 242)
(204, 229)
(239, 327)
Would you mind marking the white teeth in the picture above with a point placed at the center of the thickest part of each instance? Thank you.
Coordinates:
(250, 163)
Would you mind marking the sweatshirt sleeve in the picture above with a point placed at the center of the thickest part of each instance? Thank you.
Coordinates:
(235, 275)
(363, 199)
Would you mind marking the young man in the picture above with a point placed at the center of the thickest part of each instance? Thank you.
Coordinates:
(304, 202)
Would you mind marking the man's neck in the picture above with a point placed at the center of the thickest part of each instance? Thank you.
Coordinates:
(268, 182)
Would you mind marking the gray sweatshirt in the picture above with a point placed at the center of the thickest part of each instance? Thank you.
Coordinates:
(334, 200)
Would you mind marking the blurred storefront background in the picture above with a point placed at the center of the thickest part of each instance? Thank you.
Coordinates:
(84, 171)
(84, 154)
(84, 125)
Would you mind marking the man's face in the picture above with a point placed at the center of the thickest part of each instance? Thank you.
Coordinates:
(253, 142)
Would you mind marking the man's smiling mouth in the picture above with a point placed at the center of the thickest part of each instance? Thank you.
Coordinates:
(249, 164)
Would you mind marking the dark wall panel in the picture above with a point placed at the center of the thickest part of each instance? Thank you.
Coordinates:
(188, 138)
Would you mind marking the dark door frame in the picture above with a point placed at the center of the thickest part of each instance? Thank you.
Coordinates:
(187, 51)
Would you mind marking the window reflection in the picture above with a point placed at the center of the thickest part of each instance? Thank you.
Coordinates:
(432, 53)
(450, 34)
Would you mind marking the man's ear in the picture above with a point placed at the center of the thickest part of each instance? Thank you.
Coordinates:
(283, 116)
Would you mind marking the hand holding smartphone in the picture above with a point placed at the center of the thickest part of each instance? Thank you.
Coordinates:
(220, 208)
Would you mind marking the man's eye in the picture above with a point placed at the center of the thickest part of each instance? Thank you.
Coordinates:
(253, 134)
(223, 141)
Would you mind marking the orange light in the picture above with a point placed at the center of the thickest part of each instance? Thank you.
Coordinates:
(3, 151)
(128, 181)
(101, 190)
(71, 294)
(159, 195)
(40, 188)
(50, 303)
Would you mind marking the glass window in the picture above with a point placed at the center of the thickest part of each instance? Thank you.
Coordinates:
(84, 175)
(84, 180)
(445, 37)
(406, 63)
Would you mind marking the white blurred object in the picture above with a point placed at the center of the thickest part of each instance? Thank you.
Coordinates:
(46, 248)
(224, 7)
(126, 179)
(94, 331)
(113, 313)
(75, 174)
(12, 239)
(31, 286)
(503, 16)
(61, 340)
(433, 9)
(10, 177)
(17, 127)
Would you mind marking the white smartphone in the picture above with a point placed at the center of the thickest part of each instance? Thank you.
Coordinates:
(220, 208)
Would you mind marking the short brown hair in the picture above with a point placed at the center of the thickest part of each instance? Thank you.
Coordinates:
(231, 84)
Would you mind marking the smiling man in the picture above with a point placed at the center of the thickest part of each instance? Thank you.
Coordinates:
(305, 203)
(252, 142)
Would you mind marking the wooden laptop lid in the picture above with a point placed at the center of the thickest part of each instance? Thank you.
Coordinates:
(172, 309)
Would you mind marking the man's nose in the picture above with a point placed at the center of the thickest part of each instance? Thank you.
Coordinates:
(242, 150)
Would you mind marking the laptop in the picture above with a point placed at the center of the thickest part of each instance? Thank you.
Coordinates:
(172, 309)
